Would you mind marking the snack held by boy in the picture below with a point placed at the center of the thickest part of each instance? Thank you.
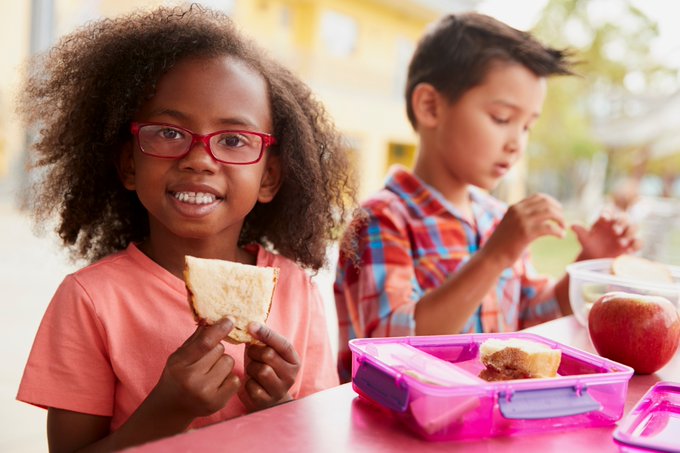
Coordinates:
(167, 134)
(434, 253)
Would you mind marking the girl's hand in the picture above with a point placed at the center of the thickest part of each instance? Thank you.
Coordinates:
(270, 369)
(197, 379)
(610, 236)
(535, 216)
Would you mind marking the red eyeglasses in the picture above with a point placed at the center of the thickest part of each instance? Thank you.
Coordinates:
(228, 147)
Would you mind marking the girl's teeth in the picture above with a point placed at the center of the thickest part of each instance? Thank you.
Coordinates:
(195, 197)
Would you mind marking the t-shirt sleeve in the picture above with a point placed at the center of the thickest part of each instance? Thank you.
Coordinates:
(375, 292)
(68, 366)
(538, 303)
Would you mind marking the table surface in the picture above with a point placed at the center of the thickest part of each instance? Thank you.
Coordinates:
(338, 420)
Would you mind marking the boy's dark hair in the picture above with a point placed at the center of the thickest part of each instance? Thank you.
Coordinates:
(455, 55)
(82, 98)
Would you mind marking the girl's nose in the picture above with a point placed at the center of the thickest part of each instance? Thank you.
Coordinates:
(199, 159)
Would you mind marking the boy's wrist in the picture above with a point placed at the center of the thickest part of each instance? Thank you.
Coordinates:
(494, 260)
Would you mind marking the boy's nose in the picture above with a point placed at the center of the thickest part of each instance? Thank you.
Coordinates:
(516, 141)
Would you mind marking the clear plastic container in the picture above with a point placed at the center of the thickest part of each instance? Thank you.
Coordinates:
(430, 383)
(591, 279)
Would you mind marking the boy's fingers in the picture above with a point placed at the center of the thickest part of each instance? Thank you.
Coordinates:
(579, 230)
(272, 339)
(552, 228)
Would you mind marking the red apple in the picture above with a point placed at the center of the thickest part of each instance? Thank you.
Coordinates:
(642, 332)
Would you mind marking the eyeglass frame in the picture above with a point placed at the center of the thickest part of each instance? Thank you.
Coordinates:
(267, 141)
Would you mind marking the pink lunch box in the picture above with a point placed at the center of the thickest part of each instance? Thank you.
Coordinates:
(431, 384)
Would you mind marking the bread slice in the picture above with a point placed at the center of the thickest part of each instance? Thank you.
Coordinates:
(518, 359)
(641, 269)
(218, 289)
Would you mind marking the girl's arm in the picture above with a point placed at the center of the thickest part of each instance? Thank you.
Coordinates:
(197, 381)
(71, 431)
(446, 309)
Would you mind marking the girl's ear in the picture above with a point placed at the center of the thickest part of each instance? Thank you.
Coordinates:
(126, 167)
(271, 179)
(425, 101)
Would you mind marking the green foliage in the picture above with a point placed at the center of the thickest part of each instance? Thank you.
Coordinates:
(607, 50)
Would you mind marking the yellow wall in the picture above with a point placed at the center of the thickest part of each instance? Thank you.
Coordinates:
(14, 42)
(362, 90)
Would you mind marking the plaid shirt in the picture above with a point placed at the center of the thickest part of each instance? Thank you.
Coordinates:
(410, 242)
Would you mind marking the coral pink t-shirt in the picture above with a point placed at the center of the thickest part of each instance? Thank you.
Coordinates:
(110, 327)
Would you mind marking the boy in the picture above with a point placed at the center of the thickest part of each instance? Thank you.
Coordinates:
(437, 255)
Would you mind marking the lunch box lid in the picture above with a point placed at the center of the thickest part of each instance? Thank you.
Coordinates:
(654, 422)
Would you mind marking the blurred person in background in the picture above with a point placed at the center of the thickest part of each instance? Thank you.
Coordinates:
(435, 253)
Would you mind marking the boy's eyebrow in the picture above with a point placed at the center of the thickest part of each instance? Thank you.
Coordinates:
(509, 104)
(234, 121)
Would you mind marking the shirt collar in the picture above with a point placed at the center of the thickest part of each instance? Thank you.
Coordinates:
(424, 200)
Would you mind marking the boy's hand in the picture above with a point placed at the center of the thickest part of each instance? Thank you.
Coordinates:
(610, 236)
(270, 369)
(197, 379)
(535, 216)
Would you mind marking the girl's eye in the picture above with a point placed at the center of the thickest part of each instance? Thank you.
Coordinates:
(500, 120)
(233, 140)
(169, 133)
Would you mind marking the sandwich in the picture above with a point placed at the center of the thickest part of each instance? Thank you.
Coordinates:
(641, 269)
(220, 289)
(518, 359)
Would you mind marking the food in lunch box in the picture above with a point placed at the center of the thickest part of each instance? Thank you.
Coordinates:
(636, 268)
(219, 289)
(517, 358)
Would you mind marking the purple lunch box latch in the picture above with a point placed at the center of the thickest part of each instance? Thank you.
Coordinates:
(546, 403)
(382, 387)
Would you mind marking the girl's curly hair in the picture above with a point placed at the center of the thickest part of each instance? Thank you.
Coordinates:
(83, 94)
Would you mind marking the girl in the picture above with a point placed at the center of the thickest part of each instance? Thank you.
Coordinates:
(167, 134)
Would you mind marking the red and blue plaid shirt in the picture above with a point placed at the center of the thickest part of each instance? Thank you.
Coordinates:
(410, 242)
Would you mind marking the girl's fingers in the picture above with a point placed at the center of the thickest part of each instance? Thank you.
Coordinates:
(266, 376)
(277, 342)
(204, 340)
(222, 366)
(257, 393)
(229, 387)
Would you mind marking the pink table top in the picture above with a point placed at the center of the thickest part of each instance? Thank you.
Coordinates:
(338, 420)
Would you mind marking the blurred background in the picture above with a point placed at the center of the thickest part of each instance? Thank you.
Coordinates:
(607, 138)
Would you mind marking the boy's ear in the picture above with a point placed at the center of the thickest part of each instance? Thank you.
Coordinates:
(271, 179)
(126, 167)
(425, 103)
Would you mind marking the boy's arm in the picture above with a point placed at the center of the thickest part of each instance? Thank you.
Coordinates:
(562, 295)
(445, 310)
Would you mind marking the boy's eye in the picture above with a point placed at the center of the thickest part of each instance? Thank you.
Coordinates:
(500, 120)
